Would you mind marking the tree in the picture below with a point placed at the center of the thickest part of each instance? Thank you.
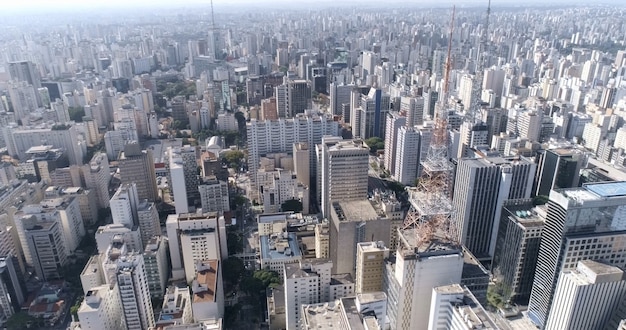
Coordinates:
(375, 143)
(21, 321)
(233, 269)
(540, 200)
(397, 187)
(233, 158)
(234, 241)
(293, 205)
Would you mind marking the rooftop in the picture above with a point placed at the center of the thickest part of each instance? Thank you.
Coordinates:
(322, 316)
(355, 211)
(280, 246)
(205, 284)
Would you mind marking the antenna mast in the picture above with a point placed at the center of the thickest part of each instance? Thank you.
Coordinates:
(475, 103)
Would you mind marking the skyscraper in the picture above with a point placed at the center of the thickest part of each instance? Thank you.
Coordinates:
(124, 205)
(586, 297)
(137, 166)
(582, 223)
(373, 111)
(394, 121)
(344, 166)
(481, 187)
(370, 257)
(25, 71)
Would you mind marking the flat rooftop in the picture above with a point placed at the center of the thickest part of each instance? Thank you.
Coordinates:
(355, 210)
(608, 189)
(322, 316)
(206, 278)
(278, 247)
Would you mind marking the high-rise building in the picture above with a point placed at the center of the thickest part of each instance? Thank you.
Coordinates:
(25, 71)
(301, 163)
(97, 176)
(148, 221)
(12, 290)
(344, 165)
(306, 283)
(517, 247)
(454, 307)
(412, 144)
(586, 297)
(471, 136)
(44, 241)
(418, 268)
(157, 266)
(588, 222)
(193, 237)
(124, 205)
(137, 166)
(214, 195)
(322, 240)
(481, 187)
(134, 292)
(370, 257)
(339, 94)
(374, 108)
(394, 121)
(101, 309)
(413, 108)
(558, 168)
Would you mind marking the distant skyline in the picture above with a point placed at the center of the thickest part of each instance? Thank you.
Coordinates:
(43, 5)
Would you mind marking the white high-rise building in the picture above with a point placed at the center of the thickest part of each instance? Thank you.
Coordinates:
(124, 205)
(529, 125)
(410, 281)
(413, 109)
(193, 237)
(183, 176)
(130, 236)
(214, 195)
(586, 297)
(134, 292)
(100, 310)
(344, 166)
(394, 121)
(454, 307)
(148, 221)
(408, 156)
(97, 176)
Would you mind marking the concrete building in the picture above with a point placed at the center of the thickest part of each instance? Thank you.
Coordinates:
(339, 94)
(454, 307)
(157, 265)
(278, 186)
(278, 250)
(100, 310)
(370, 265)
(481, 187)
(183, 176)
(395, 120)
(364, 311)
(148, 221)
(130, 236)
(301, 163)
(587, 219)
(124, 204)
(176, 309)
(193, 237)
(134, 293)
(418, 268)
(412, 144)
(558, 168)
(207, 291)
(351, 223)
(12, 289)
(517, 246)
(344, 166)
(137, 166)
(322, 240)
(373, 113)
(586, 297)
(214, 195)
(65, 136)
(97, 176)
(45, 246)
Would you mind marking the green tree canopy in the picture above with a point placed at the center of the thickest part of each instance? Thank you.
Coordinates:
(233, 158)
(76, 114)
(375, 143)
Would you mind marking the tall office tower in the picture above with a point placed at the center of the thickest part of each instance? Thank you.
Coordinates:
(529, 125)
(413, 108)
(269, 109)
(301, 163)
(25, 71)
(481, 187)
(23, 98)
(351, 223)
(137, 166)
(558, 168)
(517, 247)
(208, 291)
(430, 99)
(176, 178)
(472, 135)
(374, 109)
(586, 297)
(370, 265)
(589, 220)
(12, 291)
(369, 60)
(134, 293)
(298, 97)
(418, 268)
(454, 307)
(282, 100)
(44, 242)
(148, 221)
(608, 97)
(193, 237)
(124, 205)
(339, 94)
(412, 149)
(465, 91)
(101, 310)
(344, 165)
(214, 195)
(272, 136)
(394, 121)
(157, 266)
(307, 282)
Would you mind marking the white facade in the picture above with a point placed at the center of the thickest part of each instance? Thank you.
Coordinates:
(226, 121)
(408, 156)
(208, 291)
(214, 195)
(454, 307)
(279, 186)
(177, 182)
(394, 122)
(344, 167)
(101, 309)
(19, 140)
(97, 176)
(306, 283)
(586, 297)
(130, 236)
(157, 266)
(134, 293)
(183, 229)
(124, 205)
(176, 307)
